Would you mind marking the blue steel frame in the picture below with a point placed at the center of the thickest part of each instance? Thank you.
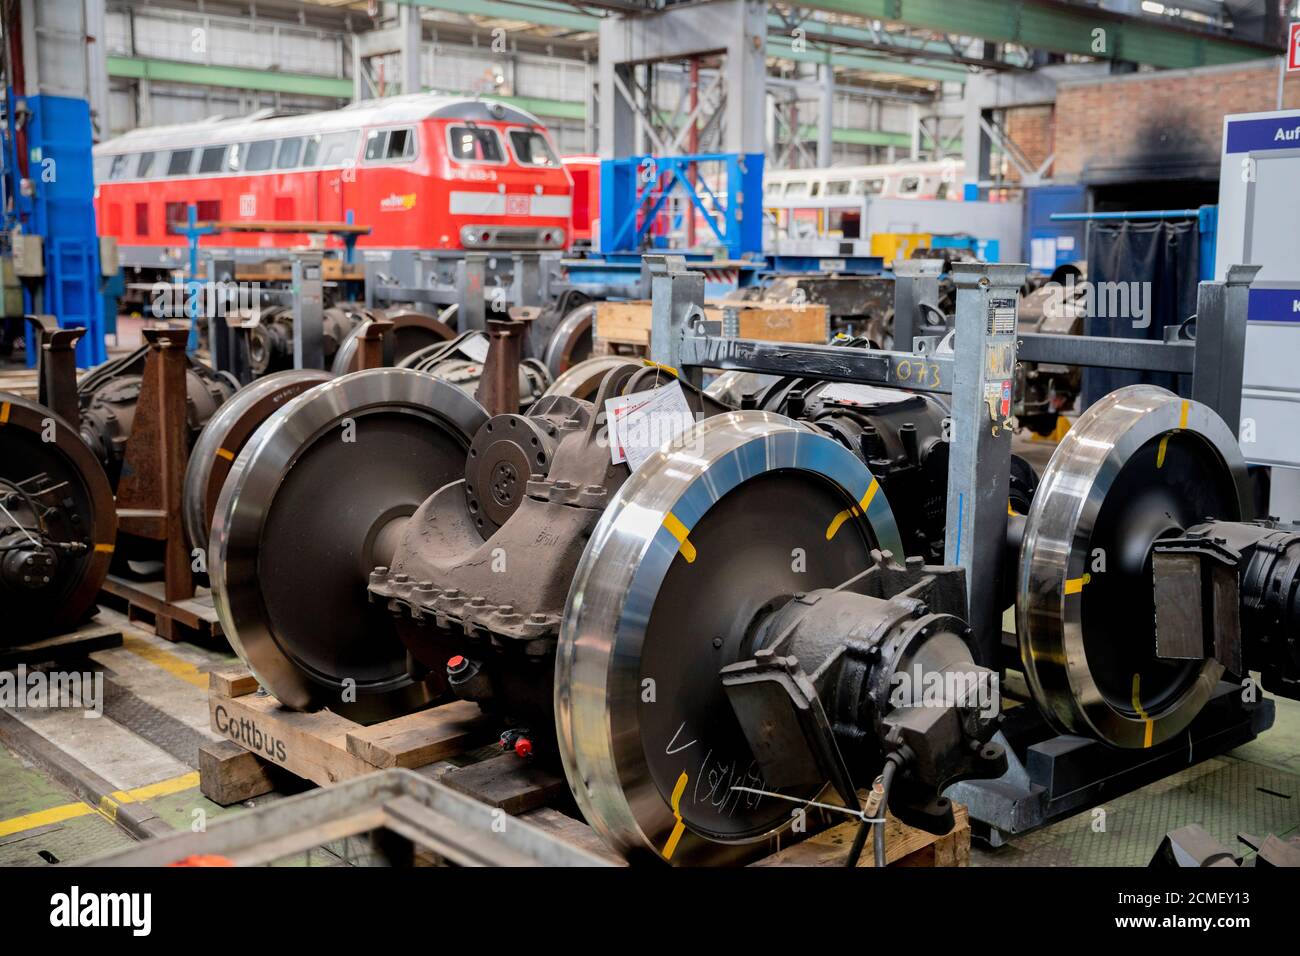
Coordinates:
(633, 191)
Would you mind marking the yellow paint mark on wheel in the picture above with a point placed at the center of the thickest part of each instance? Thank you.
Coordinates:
(1149, 731)
(4, 413)
(1075, 585)
(226, 453)
(1182, 415)
(1160, 452)
(852, 512)
(680, 826)
(679, 531)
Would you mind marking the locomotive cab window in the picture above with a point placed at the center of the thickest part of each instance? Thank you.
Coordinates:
(531, 148)
(143, 165)
(390, 145)
(259, 156)
(474, 144)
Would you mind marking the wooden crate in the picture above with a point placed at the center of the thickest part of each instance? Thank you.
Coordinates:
(628, 323)
(264, 740)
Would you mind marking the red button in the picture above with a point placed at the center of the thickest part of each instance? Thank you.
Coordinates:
(455, 662)
(523, 747)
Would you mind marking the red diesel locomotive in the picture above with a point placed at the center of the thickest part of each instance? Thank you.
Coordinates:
(423, 171)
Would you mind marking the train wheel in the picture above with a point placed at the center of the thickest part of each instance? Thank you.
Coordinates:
(1139, 465)
(57, 522)
(650, 745)
(315, 501)
(225, 435)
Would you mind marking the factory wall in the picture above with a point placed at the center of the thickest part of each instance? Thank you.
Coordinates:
(1166, 125)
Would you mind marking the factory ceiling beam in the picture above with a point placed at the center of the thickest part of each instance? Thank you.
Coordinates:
(231, 77)
(1060, 28)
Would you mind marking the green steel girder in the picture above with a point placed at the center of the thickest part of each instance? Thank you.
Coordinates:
(783, 48)
(1051, 26)
(201, 74)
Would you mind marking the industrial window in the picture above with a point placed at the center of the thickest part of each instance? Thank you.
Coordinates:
(118, 169)
(838, 187)
(331, 149)
(869, 187)
(474, 144)
(259, 156)
(290, 151)
(531, 148)
(144, 164)
(142, 219)
(213, 159)
(180, 162)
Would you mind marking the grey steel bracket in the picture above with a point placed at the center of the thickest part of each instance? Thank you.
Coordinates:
(308, 311)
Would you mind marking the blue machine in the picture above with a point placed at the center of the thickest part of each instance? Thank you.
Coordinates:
(633, 192)
(60, 209)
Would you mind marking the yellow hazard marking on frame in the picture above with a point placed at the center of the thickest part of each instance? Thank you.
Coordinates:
(1182, 415)
(1075, 585)
(176, 666)
(680, 826)
(860, 508)
(679, 531)
(1137, 705)
(104, 548)
(666, 368)
(108, 805)
(226, 454)
(4, 413)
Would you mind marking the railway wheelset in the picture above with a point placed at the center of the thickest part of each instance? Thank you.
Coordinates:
(745, 622)
(156, 431)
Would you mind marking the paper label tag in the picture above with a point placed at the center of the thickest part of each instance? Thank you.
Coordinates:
(855, 394)
(643, 422)
(475, 347)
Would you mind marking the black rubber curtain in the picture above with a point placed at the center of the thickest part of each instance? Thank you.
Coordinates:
(1164, 253)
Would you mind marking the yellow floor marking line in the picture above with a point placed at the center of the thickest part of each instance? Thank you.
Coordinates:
(176, 666)
(680, 826)
(852, 512)
(1075, 585)
(108, 805)
(226, 454)
(679, 531)
(1137, 705)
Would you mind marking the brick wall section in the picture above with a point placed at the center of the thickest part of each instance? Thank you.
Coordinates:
(1165, 124)
(1032, 128)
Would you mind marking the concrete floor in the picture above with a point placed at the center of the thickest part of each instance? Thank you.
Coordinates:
(156, 714)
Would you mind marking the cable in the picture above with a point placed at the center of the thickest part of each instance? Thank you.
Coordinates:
(892, 763)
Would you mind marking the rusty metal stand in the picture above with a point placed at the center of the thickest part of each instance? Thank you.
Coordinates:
(149, 493)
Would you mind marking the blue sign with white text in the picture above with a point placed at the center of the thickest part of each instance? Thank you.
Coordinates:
(1275, 132)
(1273, 305)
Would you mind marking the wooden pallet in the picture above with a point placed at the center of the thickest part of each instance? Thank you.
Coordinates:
(90, 637)
(265, 741)
(190, 619)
